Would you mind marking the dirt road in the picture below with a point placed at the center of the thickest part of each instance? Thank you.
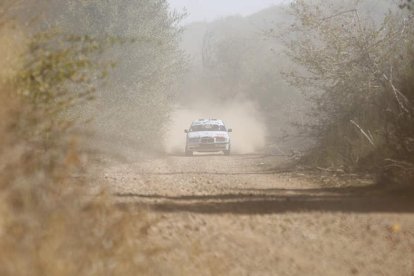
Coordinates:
(242, 215)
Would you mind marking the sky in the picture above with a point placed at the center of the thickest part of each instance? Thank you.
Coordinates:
(208, 10)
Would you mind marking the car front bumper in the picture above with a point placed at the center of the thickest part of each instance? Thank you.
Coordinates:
(208, 147)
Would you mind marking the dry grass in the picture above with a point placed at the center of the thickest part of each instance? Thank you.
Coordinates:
(48, 226)
(48, 223)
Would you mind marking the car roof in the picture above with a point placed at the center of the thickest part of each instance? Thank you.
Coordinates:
(208, 122)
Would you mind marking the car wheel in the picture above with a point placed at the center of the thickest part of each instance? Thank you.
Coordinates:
(227, 152)
(188, 152)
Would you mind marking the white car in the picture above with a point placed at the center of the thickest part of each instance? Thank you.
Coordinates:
(208, 135)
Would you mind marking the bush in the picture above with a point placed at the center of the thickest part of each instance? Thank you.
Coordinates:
(52, 222)
(49, 225)
(353, 69)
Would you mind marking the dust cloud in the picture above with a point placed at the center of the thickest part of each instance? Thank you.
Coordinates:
(249, 131)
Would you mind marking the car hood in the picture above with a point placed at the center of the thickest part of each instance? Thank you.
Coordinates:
(200, 134)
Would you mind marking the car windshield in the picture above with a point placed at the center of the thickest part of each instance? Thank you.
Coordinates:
(206, 127)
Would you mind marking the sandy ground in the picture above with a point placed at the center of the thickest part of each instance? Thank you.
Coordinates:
(243, 215)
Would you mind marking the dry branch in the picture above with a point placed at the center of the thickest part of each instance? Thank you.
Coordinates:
(370, 140)
(401, 98)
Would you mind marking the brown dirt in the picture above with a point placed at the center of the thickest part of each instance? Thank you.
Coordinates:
(219, 215)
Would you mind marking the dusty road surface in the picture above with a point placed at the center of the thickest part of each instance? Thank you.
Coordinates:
(244, 215)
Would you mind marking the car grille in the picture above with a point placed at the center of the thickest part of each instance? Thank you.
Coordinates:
(220, 139)
(207, 140)
(194, 140)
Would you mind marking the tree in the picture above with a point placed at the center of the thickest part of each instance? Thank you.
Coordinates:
(238, 63)
(49, 226)
(135, 103)
(350, 67)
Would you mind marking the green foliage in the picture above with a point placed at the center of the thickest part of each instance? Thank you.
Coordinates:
(59, 72)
